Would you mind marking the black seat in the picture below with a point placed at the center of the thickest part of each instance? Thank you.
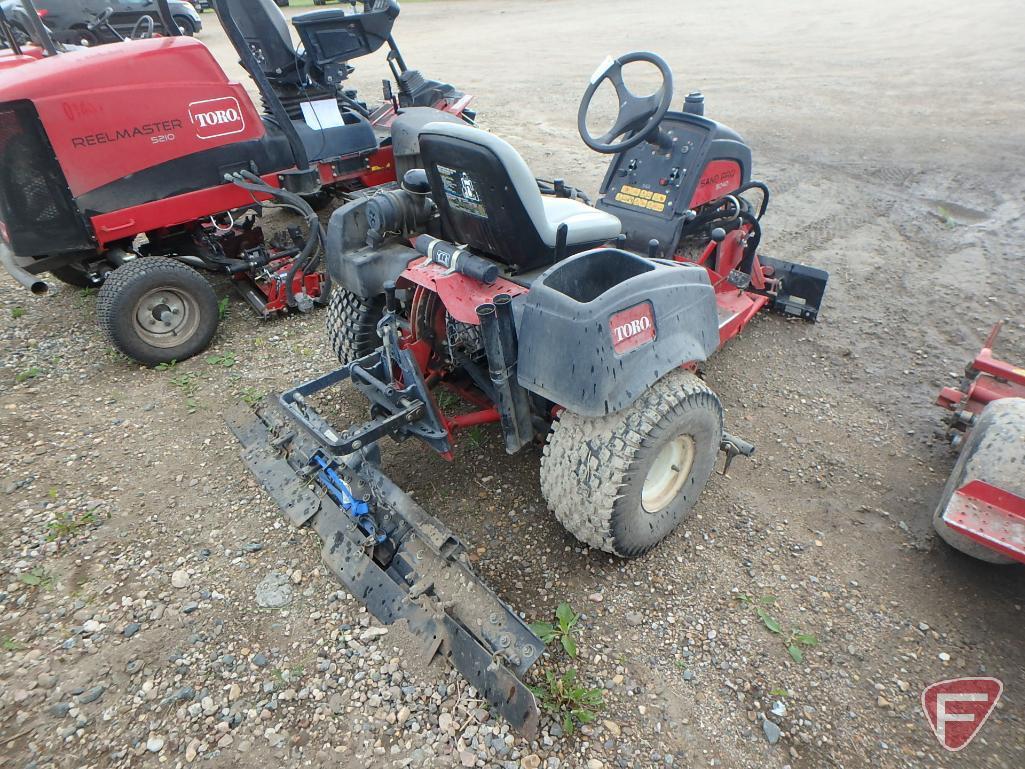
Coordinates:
(489, 199)
(266, 33)
(330, 38)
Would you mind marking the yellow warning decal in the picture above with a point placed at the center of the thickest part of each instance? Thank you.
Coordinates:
(633, 196)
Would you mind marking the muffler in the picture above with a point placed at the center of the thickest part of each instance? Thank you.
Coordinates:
(512, 401)
(33, 283)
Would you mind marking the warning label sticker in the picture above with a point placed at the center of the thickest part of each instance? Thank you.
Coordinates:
(634, 196)
(462, 192)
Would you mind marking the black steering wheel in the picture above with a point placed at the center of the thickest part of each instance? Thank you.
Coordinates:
(102, 19)
(143, 29)
(638, 116)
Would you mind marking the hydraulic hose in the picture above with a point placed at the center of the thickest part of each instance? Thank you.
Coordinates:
(309, 256)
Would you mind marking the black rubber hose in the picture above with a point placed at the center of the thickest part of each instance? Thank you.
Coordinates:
(756, 185)
(747, 263)
(310, 253)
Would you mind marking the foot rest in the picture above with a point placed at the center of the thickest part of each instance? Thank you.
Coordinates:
(989, 515)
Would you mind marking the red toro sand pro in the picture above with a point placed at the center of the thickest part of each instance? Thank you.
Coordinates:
(982, 510)
(577, 325)
(129, 167)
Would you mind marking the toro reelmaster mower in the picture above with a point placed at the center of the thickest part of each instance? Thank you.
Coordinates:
(554, 318)
(982, 510)
(129, 167)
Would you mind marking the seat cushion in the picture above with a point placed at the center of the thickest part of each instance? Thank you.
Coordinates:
(584, 223)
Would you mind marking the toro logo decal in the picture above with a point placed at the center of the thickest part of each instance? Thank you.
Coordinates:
(957, 708)
(632, 327)
(217, 117)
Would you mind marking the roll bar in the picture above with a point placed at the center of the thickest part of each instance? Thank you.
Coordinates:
(39, 30)
(252, 66)
(166, 19)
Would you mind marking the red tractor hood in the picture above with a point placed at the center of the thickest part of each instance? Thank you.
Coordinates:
(116, 109)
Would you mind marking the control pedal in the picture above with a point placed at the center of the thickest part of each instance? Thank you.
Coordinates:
(739, 279)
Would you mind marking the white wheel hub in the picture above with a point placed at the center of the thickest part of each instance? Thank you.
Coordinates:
(668, 473)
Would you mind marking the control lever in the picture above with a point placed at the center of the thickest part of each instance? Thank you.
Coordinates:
(391, 303)
(653, 246)
(732, 447)
(386, 327)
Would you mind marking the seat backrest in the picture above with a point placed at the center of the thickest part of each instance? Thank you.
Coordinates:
(266, 33)
(486, 195)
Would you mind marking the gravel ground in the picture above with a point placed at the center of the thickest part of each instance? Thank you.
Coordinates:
(155, 609)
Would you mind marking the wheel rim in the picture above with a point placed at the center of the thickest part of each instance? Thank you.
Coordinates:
(667, 474)
(166, 317)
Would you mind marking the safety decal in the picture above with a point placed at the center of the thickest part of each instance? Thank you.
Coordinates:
(462, 191)
(634, 196)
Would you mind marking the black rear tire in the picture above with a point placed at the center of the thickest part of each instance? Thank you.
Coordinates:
(621, 483)
(352, 324)
(156, 310)
(994, 453)
(75, 275)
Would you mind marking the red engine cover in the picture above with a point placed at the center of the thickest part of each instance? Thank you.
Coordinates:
(719, 178)
(115, 109)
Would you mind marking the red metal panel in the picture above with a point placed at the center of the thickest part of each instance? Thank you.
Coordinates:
(719, 178)
(989, 515)
(736, 309)
(173, 211)
(460, 295)
(112, 110)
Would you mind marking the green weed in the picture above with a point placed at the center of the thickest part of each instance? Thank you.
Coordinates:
(562, 630)
(475, 437)
(27, 374)
(227, 359)
(224, 307)
(67, 525)
(38, 577)
(567, 701)
(17, 312)
(251, 395)
(795, 641)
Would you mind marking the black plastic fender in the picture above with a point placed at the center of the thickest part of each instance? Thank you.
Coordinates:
(599, 328)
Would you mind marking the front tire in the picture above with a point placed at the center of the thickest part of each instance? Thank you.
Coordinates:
(352, 324)
(995, 453)
(156, 310)
(621, 483)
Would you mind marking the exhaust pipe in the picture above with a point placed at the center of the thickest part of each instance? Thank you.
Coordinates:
(499, 332)
(33, 283)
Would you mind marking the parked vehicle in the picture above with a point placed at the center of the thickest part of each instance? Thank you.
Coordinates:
(982, 510)
(581, 325)
(128, 167)
(96, 22)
